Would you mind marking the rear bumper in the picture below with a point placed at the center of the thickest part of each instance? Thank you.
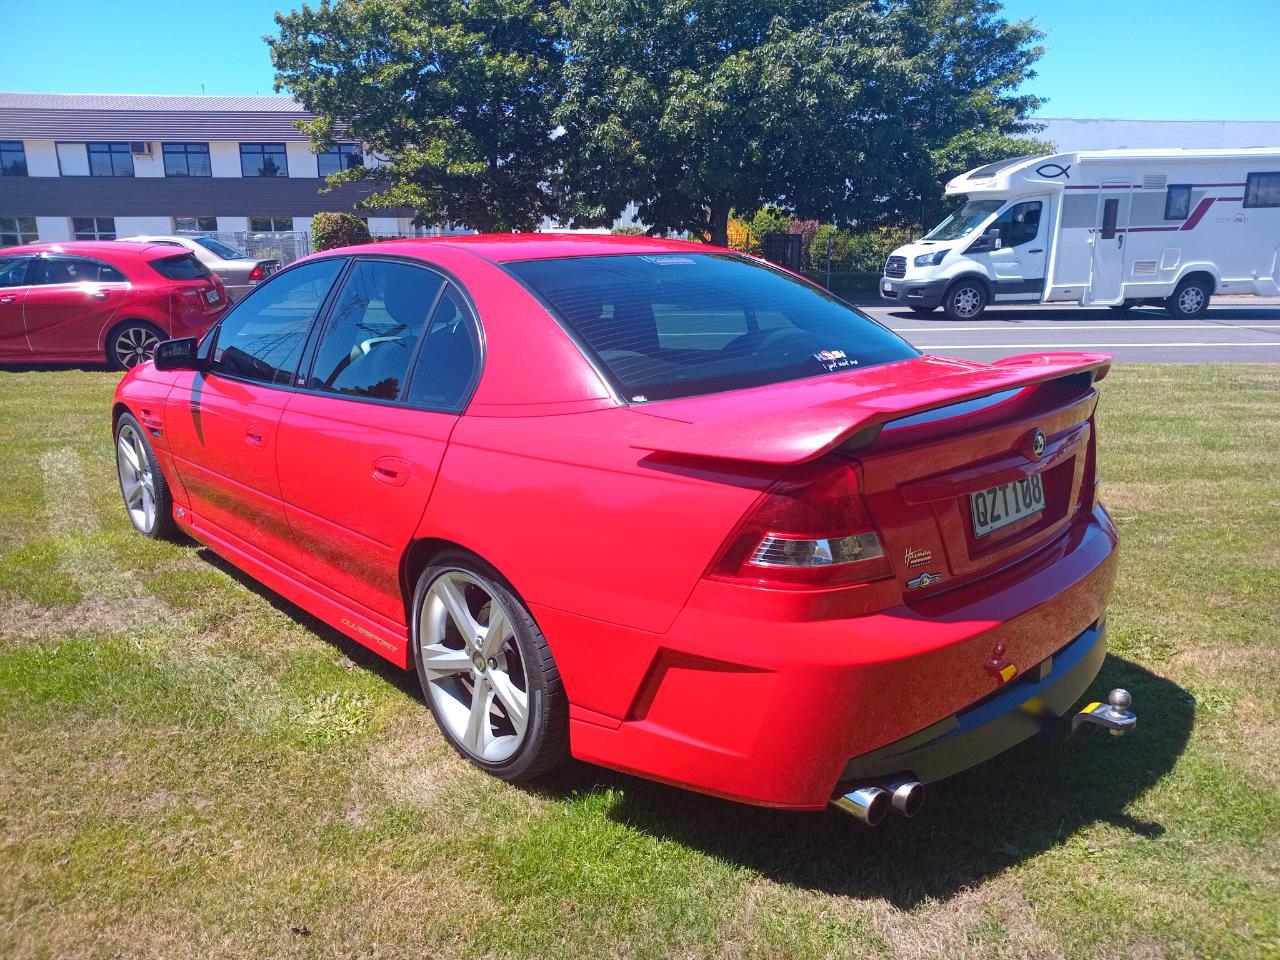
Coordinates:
(779, 709)
(916, 293)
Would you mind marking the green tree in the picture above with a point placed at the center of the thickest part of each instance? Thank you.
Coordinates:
(456, 96)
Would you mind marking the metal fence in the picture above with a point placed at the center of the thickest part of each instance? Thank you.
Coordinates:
(283, 245)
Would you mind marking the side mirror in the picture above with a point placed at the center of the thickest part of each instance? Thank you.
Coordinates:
(177, 354)
(994, 236)
(987, 242)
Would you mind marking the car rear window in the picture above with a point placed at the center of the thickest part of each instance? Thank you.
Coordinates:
(678, 325)
(183, 267)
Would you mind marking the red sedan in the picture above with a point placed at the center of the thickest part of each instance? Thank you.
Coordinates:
(653, 504)
(90, 302)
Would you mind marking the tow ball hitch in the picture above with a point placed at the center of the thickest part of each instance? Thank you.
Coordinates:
(1114, 716)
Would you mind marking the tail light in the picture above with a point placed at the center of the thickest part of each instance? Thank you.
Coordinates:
(809, 529)
(256, 273)
(1090, 480)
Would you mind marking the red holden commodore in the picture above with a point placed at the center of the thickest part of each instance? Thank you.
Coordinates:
(652, 504)
(91, 301)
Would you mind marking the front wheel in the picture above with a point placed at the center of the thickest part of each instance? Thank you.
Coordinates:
(133, 342)
(486, 671)
(965, 301)
(1190, 301)
(142, 484)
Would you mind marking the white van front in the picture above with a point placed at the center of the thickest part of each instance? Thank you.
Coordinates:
(993, 249)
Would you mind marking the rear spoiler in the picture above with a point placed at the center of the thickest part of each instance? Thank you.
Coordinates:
(789, 423)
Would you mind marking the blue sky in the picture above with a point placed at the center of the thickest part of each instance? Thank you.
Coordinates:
(1156, 59)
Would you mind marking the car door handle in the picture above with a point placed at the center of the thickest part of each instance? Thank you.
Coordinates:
(253, 438)
(1036, 250)
(393, 471)
(11, 298)
(99, 294)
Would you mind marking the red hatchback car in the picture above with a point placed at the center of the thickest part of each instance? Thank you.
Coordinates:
(90, 302)
(653, 504)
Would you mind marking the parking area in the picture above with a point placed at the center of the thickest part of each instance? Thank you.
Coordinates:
(1244, 330)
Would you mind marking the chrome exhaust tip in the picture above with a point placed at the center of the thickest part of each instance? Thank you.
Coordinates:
(868, 804)
(906, 796)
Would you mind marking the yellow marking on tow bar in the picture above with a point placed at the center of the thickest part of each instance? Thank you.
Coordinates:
(1008, 672)
(1092, 707)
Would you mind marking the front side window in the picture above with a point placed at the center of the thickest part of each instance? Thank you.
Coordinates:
(270, 224)
(13, 159)
(1262, 190)
(677, 325)
(1177, 201)
(15, 231)
(13, 271)
(263, 160)
(186, 160)
(110, 160)
(62, 269)
(1019, 224)
(339, 157)
(195, 224)
(263, 337)
(964, 221)
(94, 228)
(372, 333)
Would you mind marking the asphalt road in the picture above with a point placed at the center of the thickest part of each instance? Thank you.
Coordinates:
(1238, 330)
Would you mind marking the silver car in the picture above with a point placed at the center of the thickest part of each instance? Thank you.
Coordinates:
(239, 272)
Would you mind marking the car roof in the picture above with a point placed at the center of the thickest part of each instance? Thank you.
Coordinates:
(508, 247)
(102, 249)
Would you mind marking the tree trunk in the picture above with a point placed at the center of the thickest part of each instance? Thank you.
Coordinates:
(720, 224)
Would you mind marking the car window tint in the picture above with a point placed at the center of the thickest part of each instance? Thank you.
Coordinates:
(675, 325)
(447, 363)
(184, 267)
(372, 331)
(77, 270)
(262, 338)
(13, 271)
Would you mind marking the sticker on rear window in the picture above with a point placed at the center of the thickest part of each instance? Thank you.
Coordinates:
(834, 359)
(666, 261)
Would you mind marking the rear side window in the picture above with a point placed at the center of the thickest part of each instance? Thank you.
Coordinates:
(76, 270)
(446, 363)
(676, 325)
(372, 332)
(182, 267)
(262, 337)
(1262, 190)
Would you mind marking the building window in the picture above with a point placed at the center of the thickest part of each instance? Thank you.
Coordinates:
(1262, 190)
(110, 160)
(195, 224)
(186, 160)
(17, 230)
(1177, 202)
(94, 228)
(263, 160)
(339, 157)
(270, 224)
(13, 159)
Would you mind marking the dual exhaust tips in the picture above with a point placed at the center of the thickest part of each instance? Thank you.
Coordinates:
(871, 804)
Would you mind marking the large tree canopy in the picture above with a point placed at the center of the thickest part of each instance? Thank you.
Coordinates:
(497, 113)
(457, 96)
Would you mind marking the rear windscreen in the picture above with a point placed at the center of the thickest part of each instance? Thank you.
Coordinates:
(677, 325)
(184, 267)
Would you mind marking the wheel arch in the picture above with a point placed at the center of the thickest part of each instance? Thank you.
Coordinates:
(969, 275)
(1206, 270)
(419, 555)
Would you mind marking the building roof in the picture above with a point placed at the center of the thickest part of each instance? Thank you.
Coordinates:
(98, 116)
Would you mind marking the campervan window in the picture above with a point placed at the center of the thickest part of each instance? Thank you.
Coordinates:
(963, 221)
(1262, 190)
(1177, 202)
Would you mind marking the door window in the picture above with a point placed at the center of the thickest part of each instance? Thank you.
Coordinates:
(446, 364)
(370, 337)
(1110, 212)
(1019, 224)
(262, 338)
(57, 269)
(13, 271)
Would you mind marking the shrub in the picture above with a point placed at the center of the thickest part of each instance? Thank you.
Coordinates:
(329, 230)
(631, 231)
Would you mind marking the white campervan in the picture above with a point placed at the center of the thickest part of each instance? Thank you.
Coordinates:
(1109, 228)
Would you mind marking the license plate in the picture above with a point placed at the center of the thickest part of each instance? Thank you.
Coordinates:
(1000, 506)
(211, 296)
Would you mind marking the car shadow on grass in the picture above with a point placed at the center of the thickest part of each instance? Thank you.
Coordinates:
(972, 826)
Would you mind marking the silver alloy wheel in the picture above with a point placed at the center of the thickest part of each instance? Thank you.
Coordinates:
(1191, 300)
(136, 482)
(476, 676)
(966, 301)
(133, 345)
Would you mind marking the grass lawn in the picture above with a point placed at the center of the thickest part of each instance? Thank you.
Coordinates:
(191, 767)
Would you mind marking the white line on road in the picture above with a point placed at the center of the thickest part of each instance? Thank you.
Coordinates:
(1078, 346)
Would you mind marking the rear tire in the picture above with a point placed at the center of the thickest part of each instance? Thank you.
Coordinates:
(133, 342)
(922, 310)
(1190, 301)
(965, 300)
(499, 701)
(147, 499)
